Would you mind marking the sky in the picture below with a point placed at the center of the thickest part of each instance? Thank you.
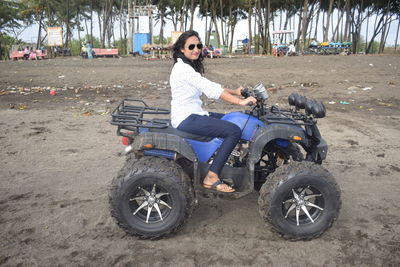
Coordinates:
(241, 32)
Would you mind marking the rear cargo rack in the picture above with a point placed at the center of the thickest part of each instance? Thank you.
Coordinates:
(128, 115)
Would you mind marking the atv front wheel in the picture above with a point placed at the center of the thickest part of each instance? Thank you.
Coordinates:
(300, 200)
(151, 197)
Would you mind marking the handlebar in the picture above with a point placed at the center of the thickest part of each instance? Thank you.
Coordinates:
(245, 92)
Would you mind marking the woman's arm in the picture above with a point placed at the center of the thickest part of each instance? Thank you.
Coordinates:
(228, 97)
(236, 91)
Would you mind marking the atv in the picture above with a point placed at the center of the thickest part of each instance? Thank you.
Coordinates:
(279, 154)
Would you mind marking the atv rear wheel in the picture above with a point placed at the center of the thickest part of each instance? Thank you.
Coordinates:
(151, 197)
(300, 200)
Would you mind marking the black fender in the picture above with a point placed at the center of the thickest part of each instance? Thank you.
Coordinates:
(165, 142)
(270, 132)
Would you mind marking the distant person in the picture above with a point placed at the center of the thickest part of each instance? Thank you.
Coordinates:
(27, 51)
(89, 50)
(205, 52)
(291, 50)
(83, 51)
(32, 54)
(313, 44)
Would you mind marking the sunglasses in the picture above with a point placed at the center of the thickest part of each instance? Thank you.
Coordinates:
(192, 46)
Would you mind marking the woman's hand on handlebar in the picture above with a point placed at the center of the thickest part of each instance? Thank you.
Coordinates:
(250, 101)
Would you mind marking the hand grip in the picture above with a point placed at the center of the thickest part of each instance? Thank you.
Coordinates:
(245, 92)
(250, 104)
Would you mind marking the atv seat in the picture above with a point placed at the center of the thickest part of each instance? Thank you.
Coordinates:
(174, 131)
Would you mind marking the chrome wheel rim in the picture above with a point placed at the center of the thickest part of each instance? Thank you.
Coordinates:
(150, 203)
(303, 205)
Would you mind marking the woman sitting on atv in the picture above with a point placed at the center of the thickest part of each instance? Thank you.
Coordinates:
(187, 114)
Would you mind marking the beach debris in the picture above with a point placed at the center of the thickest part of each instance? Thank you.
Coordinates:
(104, 112)
(22, 107)
(331, 102)
(87, 114)
(352, 88)
(19, 106)
(310, 84)
(355, 88)
(344, 102)
(53, 92)
(386, 104)
(371, 64)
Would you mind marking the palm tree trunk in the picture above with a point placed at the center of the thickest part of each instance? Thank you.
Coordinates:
(86, 27)
(336, 30)
(100, 28)
(328, 18)
(78, 22)
(222, 22)
(267, 33)
(214, 21)
(38, 43)
(91, 21)
(162, 15)
(191, 14)
(121, 39)
(67, 22)
(348, 20)
(366, 31)
(249, 20)
(383, 35)
(299, 27)
(206, 32)
(397, 34)
(377, 29)
(232, 32)
(182, 20)
(304, 25)
(316, 23)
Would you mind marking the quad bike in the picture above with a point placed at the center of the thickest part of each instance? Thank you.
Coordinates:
(279, 154)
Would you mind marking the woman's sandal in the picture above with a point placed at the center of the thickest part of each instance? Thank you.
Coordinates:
(217, 187)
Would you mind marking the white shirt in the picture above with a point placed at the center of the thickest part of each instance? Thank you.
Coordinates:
(187, 86)
(292, 48)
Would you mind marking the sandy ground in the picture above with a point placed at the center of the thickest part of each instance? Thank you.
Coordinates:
(59, 154)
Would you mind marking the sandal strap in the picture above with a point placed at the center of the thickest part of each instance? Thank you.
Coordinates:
(217, 183)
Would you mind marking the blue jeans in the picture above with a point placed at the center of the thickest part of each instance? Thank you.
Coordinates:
(213, 126)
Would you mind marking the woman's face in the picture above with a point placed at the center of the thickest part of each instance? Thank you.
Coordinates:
(191, 42)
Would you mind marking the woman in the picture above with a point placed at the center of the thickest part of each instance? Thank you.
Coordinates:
(89, 50)
(187, 85)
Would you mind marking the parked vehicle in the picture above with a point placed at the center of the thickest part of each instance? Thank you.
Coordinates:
(279, 154)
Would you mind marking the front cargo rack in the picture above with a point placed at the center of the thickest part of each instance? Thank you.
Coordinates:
(128, 115)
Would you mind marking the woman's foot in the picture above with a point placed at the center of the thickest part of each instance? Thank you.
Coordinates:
(212, 181)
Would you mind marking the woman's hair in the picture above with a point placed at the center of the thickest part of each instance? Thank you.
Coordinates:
(180, 43)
